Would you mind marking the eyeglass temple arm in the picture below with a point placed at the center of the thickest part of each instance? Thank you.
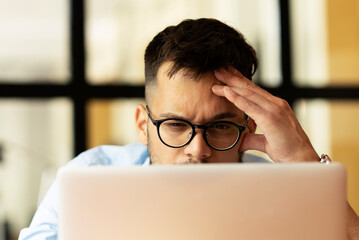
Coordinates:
(247, 120)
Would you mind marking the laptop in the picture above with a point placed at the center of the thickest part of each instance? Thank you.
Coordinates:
(254, 201)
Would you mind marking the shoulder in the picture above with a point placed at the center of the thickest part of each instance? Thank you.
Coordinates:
(132, 154)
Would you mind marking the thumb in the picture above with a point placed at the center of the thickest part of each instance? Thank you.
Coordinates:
(253, 141)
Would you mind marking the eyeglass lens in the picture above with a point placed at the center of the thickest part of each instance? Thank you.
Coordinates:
(220, 135)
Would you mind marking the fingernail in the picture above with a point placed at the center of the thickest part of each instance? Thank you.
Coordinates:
(217, 87)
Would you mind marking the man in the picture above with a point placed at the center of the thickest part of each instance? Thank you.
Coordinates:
(201, 108)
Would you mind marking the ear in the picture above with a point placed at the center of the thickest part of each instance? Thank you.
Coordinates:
(141, 123)
(252, 126)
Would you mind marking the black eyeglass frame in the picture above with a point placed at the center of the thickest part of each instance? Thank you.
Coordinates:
(204, 127)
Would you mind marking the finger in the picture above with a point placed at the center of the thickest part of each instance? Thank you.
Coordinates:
(256, 112)
(231, 79)
(253, 141)
(234, 78)
(235, 72)
(252, 96)
(218, 90)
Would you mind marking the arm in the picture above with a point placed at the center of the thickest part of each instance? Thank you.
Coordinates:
(44, 223)
(283, 138)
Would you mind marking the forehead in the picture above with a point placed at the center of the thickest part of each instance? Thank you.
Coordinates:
(191, 98)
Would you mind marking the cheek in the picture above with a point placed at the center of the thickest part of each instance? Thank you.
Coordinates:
(160, 153)
(154, 141)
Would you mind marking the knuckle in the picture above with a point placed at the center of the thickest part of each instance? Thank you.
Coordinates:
(239, 74)
(236, 98)
(247, 105)
(248, 85)
(231, 81)
(281, 106)
(283, 103)
(249, 92)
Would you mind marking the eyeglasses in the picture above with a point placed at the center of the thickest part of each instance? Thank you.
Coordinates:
(177, 133)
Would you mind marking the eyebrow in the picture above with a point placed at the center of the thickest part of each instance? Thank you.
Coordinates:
(217, 117)
(223, 116)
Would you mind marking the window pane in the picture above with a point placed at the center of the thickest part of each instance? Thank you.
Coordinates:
(325, 42)
(112, 121)
(34, 41)
(36, 138)
(333, 128)
(119, 31)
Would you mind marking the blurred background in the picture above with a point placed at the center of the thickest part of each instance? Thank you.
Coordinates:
(71, 74)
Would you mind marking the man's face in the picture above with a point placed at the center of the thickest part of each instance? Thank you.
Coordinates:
(194, 101)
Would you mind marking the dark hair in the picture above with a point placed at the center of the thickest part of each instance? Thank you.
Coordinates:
(198, 47)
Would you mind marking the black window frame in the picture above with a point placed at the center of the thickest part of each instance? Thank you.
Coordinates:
(79, 91)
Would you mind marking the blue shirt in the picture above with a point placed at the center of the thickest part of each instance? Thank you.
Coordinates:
(44, 223)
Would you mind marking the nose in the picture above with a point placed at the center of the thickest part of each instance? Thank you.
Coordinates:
(197, 151)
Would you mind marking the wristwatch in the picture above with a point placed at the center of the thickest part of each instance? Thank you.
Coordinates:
(324, 158)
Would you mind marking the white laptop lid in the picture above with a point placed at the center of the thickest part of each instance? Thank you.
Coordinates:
(219, 201)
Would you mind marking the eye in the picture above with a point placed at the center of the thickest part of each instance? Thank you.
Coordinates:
(175, 125)
(222, 129)
(220, 126)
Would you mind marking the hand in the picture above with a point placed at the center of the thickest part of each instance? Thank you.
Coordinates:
(283, 138)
